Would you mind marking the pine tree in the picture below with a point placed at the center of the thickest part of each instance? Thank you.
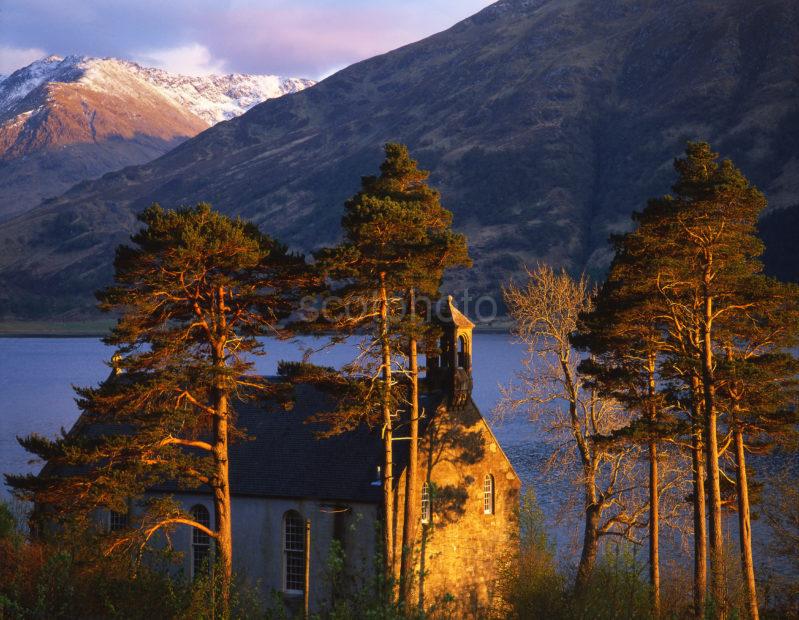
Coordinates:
(702, 255)
(397, 244)
(193, 291)
(757, 388)
(703, 231)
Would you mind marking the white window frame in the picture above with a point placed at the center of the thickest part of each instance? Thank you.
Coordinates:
(293, 547)
(488, 494)
(426, 511)
(199, 539)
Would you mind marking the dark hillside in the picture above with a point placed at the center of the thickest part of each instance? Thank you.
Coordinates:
(545, 124)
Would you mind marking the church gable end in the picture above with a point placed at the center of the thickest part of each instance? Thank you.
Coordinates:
(470, 519)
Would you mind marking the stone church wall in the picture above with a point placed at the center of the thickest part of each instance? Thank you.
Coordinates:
(458, 553)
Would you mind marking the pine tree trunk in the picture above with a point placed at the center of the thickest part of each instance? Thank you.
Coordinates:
(700, 526)
(593, 514)
(388, 435)
(654, 524)
(711, 441)
(409, 517)
(654, 501)
(222, 504)
(744, 524)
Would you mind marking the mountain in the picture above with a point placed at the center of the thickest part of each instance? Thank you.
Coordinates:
(779, 230)
(64, 120)
(216, 98)
(545, 123)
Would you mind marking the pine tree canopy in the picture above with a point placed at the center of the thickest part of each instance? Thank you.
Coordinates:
(395, 226)
(696, 244)
(192, 291)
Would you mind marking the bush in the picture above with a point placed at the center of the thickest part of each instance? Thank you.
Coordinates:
(530, 585)
(533, 587)
(8, 523)
(617, 588)
(64, 576)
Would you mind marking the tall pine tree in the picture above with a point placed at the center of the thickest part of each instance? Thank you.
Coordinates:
(699, 251)
(193, 291)
(397, 244)
(622, 333)
(757, 379)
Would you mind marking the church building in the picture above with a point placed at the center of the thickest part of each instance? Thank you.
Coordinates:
(297, 498)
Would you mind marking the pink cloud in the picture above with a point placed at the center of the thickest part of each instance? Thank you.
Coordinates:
(315, 38)
(305, 38)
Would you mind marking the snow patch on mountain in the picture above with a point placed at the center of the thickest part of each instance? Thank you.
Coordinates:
(16, 86)
(216, 98)
(213, 98)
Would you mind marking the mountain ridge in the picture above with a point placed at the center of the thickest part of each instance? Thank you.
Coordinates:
(64, 120)
(544, 123)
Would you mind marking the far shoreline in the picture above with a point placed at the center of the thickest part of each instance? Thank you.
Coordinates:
(97, 328)
(100, 328)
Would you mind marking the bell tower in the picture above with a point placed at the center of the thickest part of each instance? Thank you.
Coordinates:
(449, 368)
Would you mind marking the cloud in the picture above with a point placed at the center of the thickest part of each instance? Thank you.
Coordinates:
(303, 38)
(13, 58)
(310, 38)
(193, 59)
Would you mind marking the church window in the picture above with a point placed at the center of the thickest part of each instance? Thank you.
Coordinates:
(117, 521)
(426, 502)
(488, 495)
(294, 552)
(200, 542)
(463, 353)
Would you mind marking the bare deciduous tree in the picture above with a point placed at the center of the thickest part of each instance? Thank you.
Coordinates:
(551, 392)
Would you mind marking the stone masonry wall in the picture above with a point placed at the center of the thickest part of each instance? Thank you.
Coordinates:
(459, 552)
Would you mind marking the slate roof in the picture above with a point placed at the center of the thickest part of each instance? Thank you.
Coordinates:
(284, 458)
(281, 456)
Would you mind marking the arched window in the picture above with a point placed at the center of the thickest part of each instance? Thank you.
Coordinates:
(200, 542)
(426, 503)
(488, 495)
(463, 353)
(293, 552)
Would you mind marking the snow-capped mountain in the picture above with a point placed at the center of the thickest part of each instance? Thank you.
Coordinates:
(219, 97)
(546, 123)
(213, 98)
(65, 120)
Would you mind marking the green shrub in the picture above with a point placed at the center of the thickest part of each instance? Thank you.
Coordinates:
(617, 588)
(532, 586)
(529, 583)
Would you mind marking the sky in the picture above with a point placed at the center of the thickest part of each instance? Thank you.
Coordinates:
(296, 38)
